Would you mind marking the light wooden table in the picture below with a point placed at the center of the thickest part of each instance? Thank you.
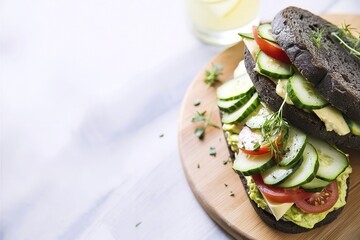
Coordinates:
(89, 106)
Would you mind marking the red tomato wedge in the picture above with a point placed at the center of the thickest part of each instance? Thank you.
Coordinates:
(270, 48)
(278, 194)
(321, 201)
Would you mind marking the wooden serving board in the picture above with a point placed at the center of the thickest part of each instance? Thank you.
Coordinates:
(218, 188)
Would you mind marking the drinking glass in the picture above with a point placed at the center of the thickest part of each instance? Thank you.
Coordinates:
(218, 22)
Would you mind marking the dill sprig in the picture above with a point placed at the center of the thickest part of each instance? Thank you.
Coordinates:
(316, 36)
(211, 76)
(274, 132)
(201, 117)
(348, 40)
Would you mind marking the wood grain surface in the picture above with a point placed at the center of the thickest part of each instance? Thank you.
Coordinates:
(218, 188)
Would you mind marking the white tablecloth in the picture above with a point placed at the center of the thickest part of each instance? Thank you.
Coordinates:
(90, 97)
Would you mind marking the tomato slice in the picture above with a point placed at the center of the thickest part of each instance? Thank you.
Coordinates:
(321, 201)
(270, 48)
(278, 194)
(251, 142)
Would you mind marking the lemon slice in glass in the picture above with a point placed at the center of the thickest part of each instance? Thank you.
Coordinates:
(221, 8)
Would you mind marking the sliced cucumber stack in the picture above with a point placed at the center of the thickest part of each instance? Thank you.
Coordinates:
(243, 112)
(232, 105)
(235, 88)
(278, 174)
(273, 68)
(265, 32)
(294, 148)
(303, 94)
(332, 162)
(306, 172)
(248, 165)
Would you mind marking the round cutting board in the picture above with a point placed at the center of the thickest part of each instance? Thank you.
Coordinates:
(215, 184)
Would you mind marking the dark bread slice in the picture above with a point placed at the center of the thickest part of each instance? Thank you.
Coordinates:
(306, 121)
(334, 72)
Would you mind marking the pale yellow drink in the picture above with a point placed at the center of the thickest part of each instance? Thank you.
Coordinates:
(219, 21)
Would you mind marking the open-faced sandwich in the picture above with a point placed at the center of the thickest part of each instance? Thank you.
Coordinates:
(291, 103)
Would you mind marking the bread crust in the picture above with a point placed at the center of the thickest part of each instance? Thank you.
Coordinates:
(334, 72)
(306, 121)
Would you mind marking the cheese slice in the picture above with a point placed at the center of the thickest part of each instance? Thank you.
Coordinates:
(240, 69)
(252, 47)
(277, 209)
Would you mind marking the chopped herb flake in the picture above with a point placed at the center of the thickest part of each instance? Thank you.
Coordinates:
(199, 132)
(161, 135)
(197, 102)
(232, 194)
(136, 225)
(225, 185)
(212, 151)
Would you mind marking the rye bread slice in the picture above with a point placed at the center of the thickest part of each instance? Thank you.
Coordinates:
(306, 121)
(334, 72)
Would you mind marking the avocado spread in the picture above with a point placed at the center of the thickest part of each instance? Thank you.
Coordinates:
(294, 214)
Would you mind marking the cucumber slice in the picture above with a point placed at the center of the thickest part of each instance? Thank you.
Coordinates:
(243, 111)
(273, 68)
(307, 170)
(303, 94)
(256, 122)
(295, 146)
(278, 174)
(316, 185)
(332, 162)
(235, 88)
(248, 165)
(265, 32)
(354, 127)
(246, 35)
(232, 105)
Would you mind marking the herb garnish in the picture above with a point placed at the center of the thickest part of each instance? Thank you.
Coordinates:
(316, 37)
(197, 102)
(212, 151)
(274, 131)
(211, 76)
(352, 44)
(201, 117)
(136, 225)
